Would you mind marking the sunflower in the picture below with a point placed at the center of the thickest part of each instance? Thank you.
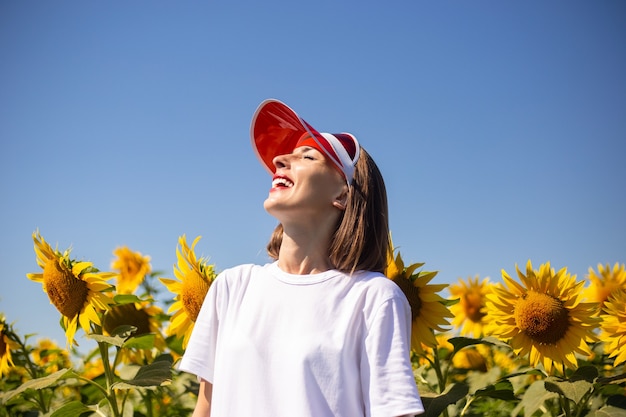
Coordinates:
(144, 317)
(544, 317)
(444, 350)
(469, 312)
(604, 283)
(614, 327)
(428, 309)
(50, 357)
(194, 278)
(76, 289)
(93, 369)
(470, 359)
(133, 268)
(7, 344)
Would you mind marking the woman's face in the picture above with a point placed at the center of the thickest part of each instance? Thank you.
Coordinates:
(305, 186)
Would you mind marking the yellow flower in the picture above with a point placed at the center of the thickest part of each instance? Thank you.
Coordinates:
(444, 350)
(544, 317)
(76, 289)
(604, 283)
(469, 312)
(93, 369)
(50, 356)
(470, 359)
(498, 357)
(133, 268)
(7, 344)
(194, 278)
(614, 327)
(428, 309)
(144, 317)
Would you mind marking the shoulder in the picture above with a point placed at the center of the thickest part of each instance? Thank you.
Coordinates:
(380, 299)
(377, 284)
(243, 270)
(378, 290)
(238, 276)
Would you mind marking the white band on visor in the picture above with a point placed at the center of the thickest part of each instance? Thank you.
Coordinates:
(346, 163)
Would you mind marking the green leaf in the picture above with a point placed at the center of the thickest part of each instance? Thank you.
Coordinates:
(452, 302)
(587, 373)
(435, 405)
(490, 340)
(126, 298)
(111, 340)
(37, 384)
(71, 409)
(125, 331)
(532, 371)
(428, 275)
(148, 376)
(573, 390)
(617, 379)
(145, 341)
(533, 399)
(502, 390)
(618, 401)
(608, 411)
(461, 342)
(175, 344)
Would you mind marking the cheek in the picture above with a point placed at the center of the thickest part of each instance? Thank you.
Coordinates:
(330, 186)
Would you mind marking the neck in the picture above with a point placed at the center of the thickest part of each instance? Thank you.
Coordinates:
(304, 251)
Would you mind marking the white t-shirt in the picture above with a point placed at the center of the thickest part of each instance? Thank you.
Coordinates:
(331, 344)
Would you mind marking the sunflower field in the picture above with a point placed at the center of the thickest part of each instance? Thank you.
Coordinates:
(538, 343)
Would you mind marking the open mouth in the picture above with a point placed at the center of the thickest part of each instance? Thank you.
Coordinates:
(281, 182)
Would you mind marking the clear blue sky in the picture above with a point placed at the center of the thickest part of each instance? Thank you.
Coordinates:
(500, 128)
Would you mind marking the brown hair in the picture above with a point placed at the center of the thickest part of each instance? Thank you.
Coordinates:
(361, 240)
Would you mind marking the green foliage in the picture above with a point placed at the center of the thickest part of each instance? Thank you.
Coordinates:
(135, 379)
(133, 375)
(519, 392)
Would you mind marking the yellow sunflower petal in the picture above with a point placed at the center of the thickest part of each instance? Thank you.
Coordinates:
(544, 317)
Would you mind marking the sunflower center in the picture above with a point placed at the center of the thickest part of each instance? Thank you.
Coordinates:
(542, 317)
(193, 294)
(3, 345)
(66, 292)
(127, 315)
(412, 294)
(472, 303)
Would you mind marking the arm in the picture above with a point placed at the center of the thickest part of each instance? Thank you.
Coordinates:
(389, 386)
(203, 406)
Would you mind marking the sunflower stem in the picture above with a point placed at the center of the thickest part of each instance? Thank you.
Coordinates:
(149, 400)
(92, 383)
(565, 406)
(441, 377)
(31, 368)
(582, 404)
(467, 405)
(110, 378)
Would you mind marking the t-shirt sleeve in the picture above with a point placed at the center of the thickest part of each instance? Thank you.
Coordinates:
(199, 356)
(388, 383)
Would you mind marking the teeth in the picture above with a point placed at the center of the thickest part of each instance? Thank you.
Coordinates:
(282, 182)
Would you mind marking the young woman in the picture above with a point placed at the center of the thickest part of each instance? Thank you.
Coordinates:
(320, 331)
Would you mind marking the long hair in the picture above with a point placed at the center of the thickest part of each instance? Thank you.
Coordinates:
(361, 240)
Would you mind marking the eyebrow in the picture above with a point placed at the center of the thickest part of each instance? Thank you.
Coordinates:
(302, 149)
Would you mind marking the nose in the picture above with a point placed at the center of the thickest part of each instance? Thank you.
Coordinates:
(281, 161)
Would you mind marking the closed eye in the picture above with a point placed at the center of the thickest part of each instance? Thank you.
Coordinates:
(307, 152)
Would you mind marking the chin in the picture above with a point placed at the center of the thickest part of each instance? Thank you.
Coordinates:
(269, 204)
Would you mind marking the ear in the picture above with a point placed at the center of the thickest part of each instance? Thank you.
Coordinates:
(341, 201)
